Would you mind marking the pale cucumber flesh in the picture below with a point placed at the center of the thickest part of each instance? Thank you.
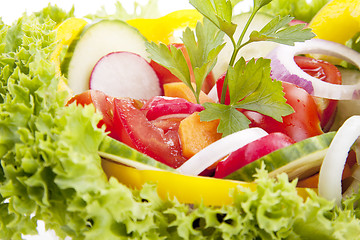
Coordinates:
(96, 41)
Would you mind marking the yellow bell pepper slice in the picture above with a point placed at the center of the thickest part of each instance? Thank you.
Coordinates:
(186, 189)
(162, 29)
(66, 32)
(337, 21)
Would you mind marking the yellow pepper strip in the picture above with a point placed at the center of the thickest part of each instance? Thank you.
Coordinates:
(66, 32)
(186, 189)
(338, 20)
(162, 29)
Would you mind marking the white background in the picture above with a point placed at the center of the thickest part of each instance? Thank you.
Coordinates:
(10, 10)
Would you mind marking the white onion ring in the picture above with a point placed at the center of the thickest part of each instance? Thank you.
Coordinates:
(333, 165)
(284, 68)
(219, 149)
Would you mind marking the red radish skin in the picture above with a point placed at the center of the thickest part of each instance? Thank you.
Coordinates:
(252, 152)
(125, 74)
(161, 106)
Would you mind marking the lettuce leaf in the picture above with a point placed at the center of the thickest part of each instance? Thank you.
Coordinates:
(299, 9)
(50, 170)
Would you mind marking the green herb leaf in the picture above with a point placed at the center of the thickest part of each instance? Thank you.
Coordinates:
(172, 58)
(260, 3)
(277, 30)
(231, 120)
(218, 12)
(203, 52)
(251, 88)
(203, 47)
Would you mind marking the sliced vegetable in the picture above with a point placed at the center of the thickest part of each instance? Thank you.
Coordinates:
(102, 103)
(125, 74)
(251, 152)
(113, 150)
(95, 41)
(144, 136)
(160, 106)
(219, 149)
(195, 135)
(186, 189)
(301, 159)
(347, 108)
(164, 29)
(180, 90)
(285, 69)
(333, 165)
(325, 72)
(301, 124)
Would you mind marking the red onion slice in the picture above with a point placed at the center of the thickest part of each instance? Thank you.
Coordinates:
(284, 68)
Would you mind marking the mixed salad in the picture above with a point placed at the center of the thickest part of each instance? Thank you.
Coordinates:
(197, 124)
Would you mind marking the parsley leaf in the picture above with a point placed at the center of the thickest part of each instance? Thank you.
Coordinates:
(277, 30)
(268, 96)
(231, 120)
(218, 12)
(203, 52)
(203, 47)
(251, 88)
(172, 58)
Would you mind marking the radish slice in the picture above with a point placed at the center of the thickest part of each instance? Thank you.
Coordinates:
(285, 69)
(125, 74)
(219, 149)
(333, 165)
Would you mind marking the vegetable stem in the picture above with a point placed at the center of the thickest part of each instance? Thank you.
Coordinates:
(237, 46)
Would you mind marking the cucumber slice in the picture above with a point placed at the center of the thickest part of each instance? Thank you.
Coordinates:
(347, 108)
(253, 50)
(95, 41)
(301, 159)
(118, 152)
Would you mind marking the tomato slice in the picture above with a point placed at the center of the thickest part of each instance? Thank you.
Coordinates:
(301, 124)
(327, 73)
(102, 102)
(145, 136)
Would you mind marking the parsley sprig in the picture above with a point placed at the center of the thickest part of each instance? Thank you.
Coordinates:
(249, 84)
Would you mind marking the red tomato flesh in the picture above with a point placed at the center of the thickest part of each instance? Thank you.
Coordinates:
(301, 124)
(327, 73)
(145, 136)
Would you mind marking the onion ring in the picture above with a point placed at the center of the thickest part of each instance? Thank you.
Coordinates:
(333, 164)
(219, 149)
(284, 68)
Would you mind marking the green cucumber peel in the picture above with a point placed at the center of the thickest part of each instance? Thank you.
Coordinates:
(121, 153)
(302, 157)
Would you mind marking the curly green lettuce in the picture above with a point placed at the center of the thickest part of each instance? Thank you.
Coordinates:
(50, 170)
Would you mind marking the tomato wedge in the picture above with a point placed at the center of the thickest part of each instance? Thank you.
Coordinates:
(102, 103)
(327, 73)
(145, 136)
(301, 124)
